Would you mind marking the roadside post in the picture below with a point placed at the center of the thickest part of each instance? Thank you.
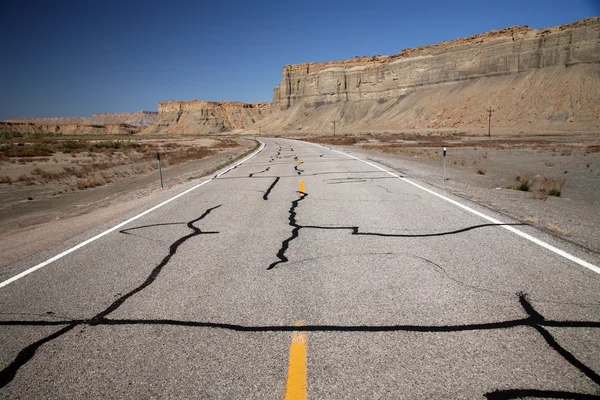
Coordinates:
(444, 166)
(159, 170)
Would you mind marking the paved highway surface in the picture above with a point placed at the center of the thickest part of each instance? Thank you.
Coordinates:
(304, 272)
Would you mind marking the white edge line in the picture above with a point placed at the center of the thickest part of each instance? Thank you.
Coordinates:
(114, 228)
(524, 235)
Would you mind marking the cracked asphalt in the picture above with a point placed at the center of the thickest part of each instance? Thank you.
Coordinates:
(400, 295)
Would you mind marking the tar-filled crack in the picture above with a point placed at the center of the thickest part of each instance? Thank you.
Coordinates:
(298, 170)
(296, 229)
(348, 181)
(25, 355)
(223, 173)
(266, 195)
(355, 230)
(533, 319)
(260, 172)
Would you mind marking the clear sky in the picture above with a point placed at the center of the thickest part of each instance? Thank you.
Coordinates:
(76, 58)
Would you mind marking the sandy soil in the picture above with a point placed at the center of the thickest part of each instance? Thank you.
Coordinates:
(36, 214)
(482, 169)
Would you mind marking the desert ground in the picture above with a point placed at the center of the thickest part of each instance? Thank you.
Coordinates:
(53, 188)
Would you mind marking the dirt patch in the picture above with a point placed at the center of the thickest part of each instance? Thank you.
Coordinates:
(551, 181)
(47, 199)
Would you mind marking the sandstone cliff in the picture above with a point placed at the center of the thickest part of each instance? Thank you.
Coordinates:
(533, 79)
(206, 117)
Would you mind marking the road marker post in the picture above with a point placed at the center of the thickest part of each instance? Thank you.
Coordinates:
(159, 170)
(444, 165)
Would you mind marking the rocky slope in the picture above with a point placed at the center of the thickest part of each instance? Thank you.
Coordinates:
(144, 118)
(68, 129)
(547, 79)
(206, 116)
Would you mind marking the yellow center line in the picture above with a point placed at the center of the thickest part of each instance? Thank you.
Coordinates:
(299, 162)
(296, 382)
(302, 188)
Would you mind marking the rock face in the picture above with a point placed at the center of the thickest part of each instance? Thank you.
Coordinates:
(206, 116)
(531, 78)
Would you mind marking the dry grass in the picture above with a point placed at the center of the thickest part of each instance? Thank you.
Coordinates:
(91, 182)
(27, 179)
(49, 175)
(191, 153)
(557, 229)
(532, 220)
(337, 140)
(81, 163)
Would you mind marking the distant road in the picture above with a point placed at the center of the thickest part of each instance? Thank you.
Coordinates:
(305, 272)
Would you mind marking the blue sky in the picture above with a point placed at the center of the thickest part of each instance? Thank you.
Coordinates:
(76, 58)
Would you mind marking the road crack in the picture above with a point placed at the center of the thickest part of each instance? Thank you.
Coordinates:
(25, 355)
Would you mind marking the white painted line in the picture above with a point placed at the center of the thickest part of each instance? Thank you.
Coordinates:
(514, 230)
(114, 228)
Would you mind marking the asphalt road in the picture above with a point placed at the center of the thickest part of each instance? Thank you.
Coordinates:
(303, 266)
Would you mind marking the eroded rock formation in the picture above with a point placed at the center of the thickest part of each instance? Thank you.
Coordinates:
(546, 78)
(206, 116)
(97, 124)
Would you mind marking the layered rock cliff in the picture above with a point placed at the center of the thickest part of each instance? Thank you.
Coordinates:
(548, 78)
(206, 116)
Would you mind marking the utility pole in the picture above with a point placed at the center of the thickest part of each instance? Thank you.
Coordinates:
(490, 122)
(334, 121)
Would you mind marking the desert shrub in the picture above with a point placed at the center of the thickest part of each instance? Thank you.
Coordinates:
(5, 179)
(523, 182)
(71, 145)
(48, 175)
(539, 194)
(480, 171)
(25, 150)
(91, 182)
(116, 144)
(552, 186)
(25, 178)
